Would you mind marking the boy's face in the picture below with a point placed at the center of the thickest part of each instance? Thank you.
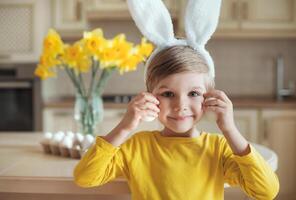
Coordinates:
(181, 97)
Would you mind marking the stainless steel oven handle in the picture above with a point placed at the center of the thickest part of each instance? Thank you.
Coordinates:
(15, 85)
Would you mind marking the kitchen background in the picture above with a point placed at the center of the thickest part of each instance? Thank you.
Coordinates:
(255, 39)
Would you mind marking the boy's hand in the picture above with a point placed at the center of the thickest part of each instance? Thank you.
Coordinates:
(144, 104)
(218, 102)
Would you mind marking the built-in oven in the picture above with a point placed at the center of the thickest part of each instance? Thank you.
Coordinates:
(20, 98)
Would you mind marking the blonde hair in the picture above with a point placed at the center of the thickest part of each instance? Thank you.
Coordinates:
(176, 59)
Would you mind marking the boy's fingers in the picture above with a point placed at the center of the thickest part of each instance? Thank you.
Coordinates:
(151, 98)
(146, 96)
(215, 102)
(217, 94)
(215, 109)
(150, 106)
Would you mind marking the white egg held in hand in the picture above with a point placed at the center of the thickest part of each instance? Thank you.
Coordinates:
(148, 118)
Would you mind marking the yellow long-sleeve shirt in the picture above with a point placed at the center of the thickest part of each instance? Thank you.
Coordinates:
(181, 168)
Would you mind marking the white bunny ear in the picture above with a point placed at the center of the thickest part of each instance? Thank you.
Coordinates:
(201, 20)
(153, 20)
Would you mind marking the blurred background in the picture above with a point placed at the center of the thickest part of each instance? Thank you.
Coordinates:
(254, 50)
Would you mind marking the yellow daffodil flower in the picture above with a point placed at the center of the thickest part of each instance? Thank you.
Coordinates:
(130, 63)
(43, 72)
(52, 43)
(145, 48)
(48, 60)
(94, 42)
(72, 54)
(116, 50)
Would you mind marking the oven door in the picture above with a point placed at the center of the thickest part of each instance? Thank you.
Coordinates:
(16, 106)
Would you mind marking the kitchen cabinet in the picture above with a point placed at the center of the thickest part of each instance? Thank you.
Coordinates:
(113, 116)
(268, 14)
(62, 119)
(253, 18)
(279, 128)
(245, 119)
(229, 17)
(23, 25)
(59, 119)
(118, 9)
(69, 16)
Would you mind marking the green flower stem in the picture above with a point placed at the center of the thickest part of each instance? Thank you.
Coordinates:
(106, 73)
(94, 69)
(76, 84)
(82, 84)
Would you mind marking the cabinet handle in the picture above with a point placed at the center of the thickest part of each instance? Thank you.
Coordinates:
(63, 114)
(234, 10)
(78, 10)
(265, 132)
(15, 85)
(5, 56)
(245, 10)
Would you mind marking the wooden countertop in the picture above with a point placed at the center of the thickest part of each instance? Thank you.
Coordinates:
(24, 168)
(238, 102)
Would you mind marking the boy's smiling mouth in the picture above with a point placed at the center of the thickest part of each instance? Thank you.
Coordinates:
(180, 118)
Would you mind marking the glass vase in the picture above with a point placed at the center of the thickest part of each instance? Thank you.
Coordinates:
(88, 112)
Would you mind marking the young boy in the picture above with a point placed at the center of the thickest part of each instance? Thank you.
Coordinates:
(178, 162)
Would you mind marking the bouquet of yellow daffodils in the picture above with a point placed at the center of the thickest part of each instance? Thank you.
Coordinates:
(92, 54)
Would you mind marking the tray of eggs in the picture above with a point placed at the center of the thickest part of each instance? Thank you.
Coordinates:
(66, 144)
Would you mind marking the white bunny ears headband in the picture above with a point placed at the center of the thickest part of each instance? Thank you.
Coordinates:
(154, 21)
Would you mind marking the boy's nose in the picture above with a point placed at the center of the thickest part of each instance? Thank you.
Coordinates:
(181, 105)
(177, 109)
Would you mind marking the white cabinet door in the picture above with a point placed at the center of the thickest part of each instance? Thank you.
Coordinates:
(113, 116)
(280, 135)
(230, 15)
(69, 16)
(59, 119)
(257, 18)
(62, 119)
(246, 121)
(269, 14)
(23, 24)
(118, 9)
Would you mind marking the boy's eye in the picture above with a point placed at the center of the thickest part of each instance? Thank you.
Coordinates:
(194, 94)
(167, 94)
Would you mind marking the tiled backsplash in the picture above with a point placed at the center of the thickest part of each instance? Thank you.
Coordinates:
(244, 67)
